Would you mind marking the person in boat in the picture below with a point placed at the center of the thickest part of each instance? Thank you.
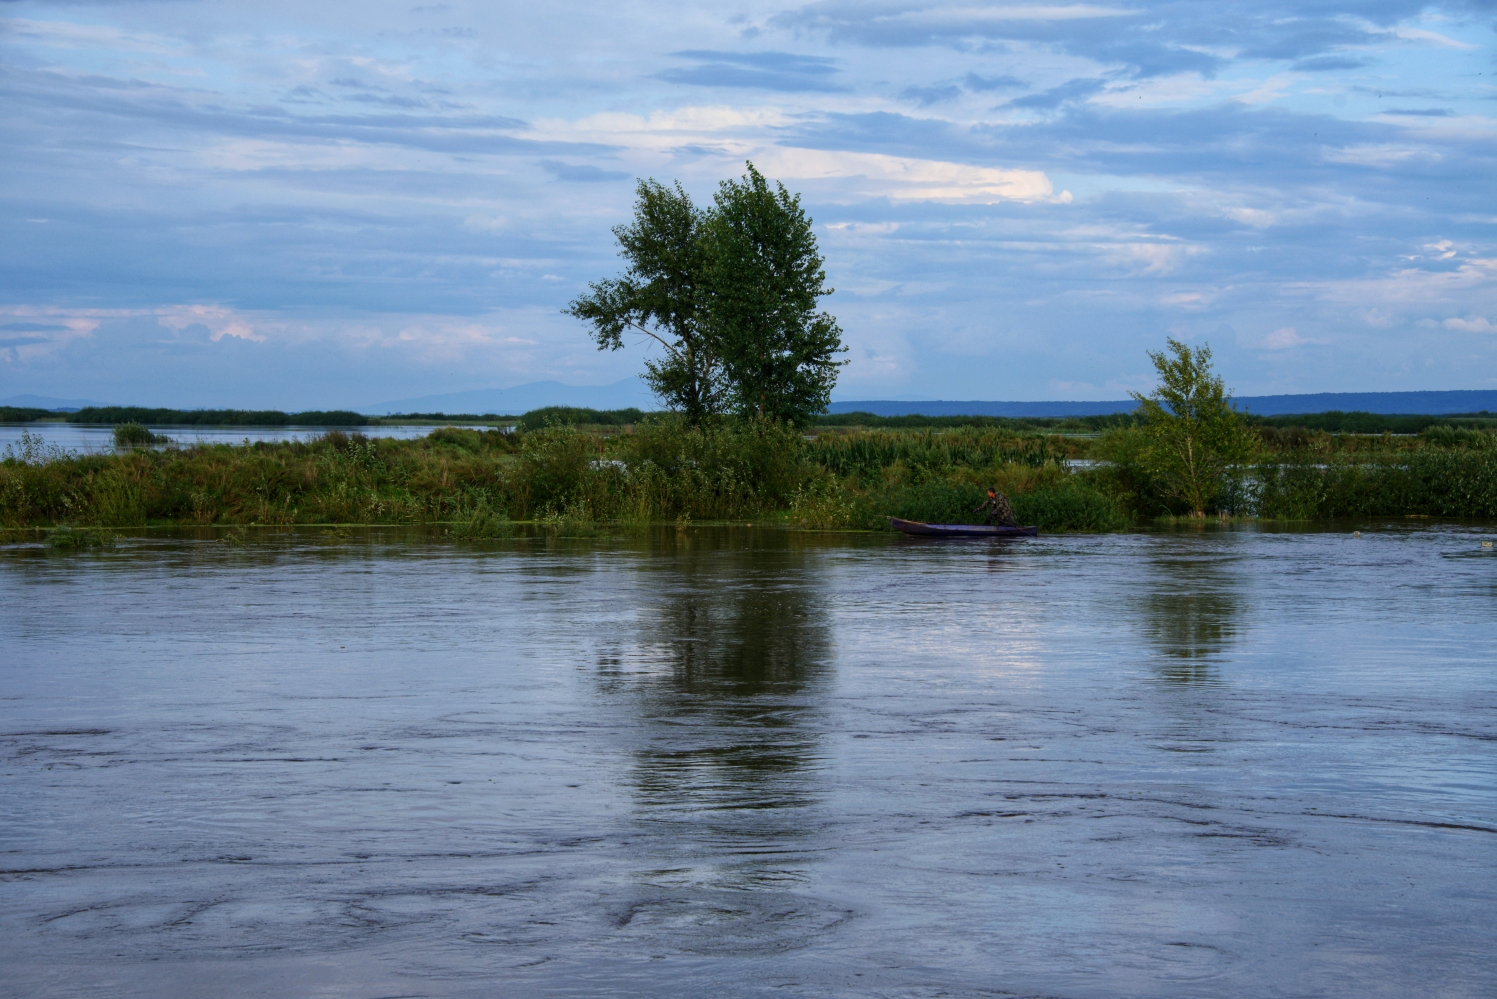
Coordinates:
(997, 509)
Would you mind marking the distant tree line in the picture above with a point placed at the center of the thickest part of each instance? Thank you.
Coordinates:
(157, 416)
(1332, 421)
(217, 417)
(1356, 422)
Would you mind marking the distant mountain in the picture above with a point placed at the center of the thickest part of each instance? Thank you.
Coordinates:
(47, 402)
(1429, 403)
(523, 398)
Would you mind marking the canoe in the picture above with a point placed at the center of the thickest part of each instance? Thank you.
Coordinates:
(961, 530)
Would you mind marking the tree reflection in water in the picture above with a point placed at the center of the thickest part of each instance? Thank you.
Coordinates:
(1192, 612)
(725, 675)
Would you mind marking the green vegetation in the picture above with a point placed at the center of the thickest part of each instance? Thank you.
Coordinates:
(73, 538)
(1018, 424)
(216, 417)
(128, 435)
(26, 414)
(729, 295)
(480, 482)
(661, 296)
(1335, 421)
(1183, 452)
(1189, 435)
(437, 418)
(574, 416)
(764, 277)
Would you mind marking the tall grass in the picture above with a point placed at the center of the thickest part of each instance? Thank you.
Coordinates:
(479, 482)
(1433, 482)
(930, 452)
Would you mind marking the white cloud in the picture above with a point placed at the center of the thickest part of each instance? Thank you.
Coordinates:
(220, 321)
(1269, 90)
(1443, 249)
(1255, 217)
(1473, 324)
(65, 34)
(1378, 155)
(1150, 258)
(1431, 38)
(1284, 338)
(1409, 285)
(1193, 300)
(904, 179)
(729, 135)
(485, 223)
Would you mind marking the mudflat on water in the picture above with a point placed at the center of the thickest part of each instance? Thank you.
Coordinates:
(742, 762)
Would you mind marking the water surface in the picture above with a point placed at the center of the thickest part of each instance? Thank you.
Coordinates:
(743, 762)
(88, 438)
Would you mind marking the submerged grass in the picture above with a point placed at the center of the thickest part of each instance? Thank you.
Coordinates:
(73, 538)
(478, 484)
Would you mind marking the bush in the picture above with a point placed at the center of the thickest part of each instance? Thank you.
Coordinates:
(720, 469)
(481, 524)
(1064, 503)
(557, 470)
(931, 453)
(131, 435)
(574, 416)
(1459, 437)
(1441, 483)
(74, 538)
(1070, 505)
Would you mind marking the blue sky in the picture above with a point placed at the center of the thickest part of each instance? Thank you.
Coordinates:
(311, 204)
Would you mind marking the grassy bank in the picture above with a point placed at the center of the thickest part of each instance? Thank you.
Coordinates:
(479, 481)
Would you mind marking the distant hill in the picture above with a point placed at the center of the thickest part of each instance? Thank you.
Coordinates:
(47, 402)
(1432, 403)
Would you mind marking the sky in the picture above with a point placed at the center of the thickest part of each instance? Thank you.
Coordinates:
(316, 205)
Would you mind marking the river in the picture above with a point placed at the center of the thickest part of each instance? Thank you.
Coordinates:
(742, 762)
(91, 438)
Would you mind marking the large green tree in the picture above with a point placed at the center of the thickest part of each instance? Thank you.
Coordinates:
(660, 295)
(1193, 434)
(764, 277)
(729, 293)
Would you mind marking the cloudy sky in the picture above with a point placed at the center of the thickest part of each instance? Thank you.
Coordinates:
(332, 204)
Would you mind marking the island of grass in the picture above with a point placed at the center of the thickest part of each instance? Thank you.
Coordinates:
(665, 470)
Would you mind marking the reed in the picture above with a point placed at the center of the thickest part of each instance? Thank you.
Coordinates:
(479, 483)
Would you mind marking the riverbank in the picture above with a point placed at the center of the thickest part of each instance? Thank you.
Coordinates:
(479, 481)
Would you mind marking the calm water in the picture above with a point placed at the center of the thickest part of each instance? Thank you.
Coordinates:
(744, 763)
(90, 439)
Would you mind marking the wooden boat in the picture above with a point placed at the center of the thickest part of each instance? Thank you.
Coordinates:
(961, 530)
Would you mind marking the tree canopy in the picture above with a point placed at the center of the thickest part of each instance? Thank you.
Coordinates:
(1192, 427)
(660, 295)
(730, 294)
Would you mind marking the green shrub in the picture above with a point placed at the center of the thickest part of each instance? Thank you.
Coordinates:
(481, 524)
(574, 416)
(131, 435)
(74, 538)
(1070, 505)
(1446, 436)
(932, 453)
(32, 449)
(1066, 503)
(717, 470)
(471, 440)
(554, 468)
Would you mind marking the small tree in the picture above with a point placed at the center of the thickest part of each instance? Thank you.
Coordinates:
(764, 277)
(660, 296)
(1194, 436)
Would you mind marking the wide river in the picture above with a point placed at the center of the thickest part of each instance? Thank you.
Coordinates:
(749, 763)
